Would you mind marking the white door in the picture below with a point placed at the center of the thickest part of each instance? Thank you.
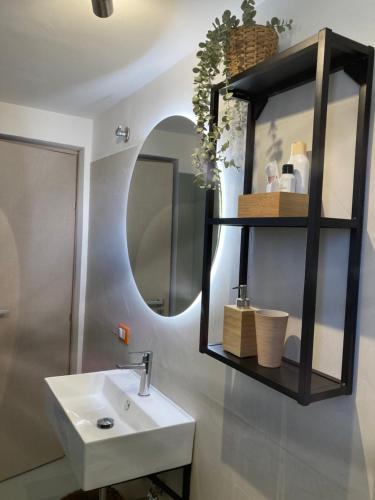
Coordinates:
(37, 229)
(149, 230)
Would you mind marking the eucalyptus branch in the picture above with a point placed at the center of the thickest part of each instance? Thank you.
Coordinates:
(212, 62)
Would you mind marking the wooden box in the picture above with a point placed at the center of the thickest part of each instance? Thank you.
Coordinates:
(239, 331)
(273, 205)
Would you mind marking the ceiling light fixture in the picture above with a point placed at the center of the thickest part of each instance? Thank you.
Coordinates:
(102, 8)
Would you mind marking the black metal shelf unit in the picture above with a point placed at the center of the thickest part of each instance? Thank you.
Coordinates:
(325, 222)
(314, 59)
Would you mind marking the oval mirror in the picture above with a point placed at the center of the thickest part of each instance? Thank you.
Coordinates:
(165, 219)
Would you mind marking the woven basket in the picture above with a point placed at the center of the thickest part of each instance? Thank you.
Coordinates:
(249, 45)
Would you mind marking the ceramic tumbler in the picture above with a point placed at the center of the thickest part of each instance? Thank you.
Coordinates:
(270, 329)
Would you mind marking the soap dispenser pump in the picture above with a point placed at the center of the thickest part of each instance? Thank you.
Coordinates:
(243, 302)
(239, 326)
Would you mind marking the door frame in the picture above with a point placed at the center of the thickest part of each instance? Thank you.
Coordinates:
(174, 233)
(76, 323)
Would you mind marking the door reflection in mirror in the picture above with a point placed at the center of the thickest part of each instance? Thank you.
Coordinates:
(165, 219)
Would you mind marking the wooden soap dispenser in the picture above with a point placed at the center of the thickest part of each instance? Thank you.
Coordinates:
(239, 327)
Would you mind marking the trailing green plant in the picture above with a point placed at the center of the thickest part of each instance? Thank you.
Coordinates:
(280, 25)
(213, 62)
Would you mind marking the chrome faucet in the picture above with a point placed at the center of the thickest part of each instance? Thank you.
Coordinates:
(145, 366)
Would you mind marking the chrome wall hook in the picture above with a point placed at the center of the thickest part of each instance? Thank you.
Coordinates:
(123, 133)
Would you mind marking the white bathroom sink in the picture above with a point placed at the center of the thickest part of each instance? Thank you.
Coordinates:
(150, 434)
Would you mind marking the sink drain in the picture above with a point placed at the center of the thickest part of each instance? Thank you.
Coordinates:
(105, 423)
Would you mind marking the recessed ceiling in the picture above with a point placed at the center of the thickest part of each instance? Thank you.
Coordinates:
(57, 55)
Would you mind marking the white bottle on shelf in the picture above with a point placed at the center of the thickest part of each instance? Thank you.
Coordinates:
(301, 165)
(288, 180)
(272, 176)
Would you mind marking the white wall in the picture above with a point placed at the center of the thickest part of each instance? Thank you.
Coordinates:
(53, 128)
(251, 442)
(172, 145)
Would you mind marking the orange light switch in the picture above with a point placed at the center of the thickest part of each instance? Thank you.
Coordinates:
(123, 333)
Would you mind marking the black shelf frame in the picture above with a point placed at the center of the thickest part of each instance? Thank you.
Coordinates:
(325, 222)
(311, 60)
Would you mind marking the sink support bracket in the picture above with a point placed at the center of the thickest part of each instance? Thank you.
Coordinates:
(186, 475)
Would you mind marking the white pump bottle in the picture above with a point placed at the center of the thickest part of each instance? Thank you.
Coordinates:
(301, 165)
